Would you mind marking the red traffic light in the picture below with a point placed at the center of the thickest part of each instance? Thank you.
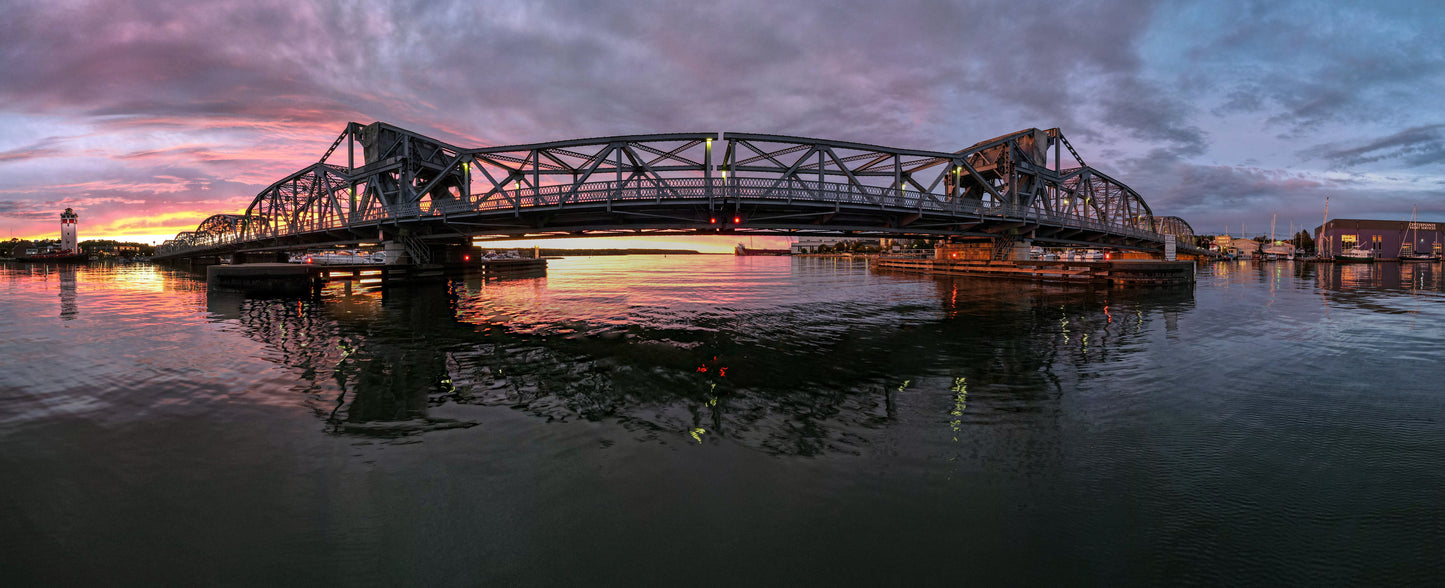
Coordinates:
(712, 220)
(737, 220)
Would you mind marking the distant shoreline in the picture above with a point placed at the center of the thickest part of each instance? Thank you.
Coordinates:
(594, 252)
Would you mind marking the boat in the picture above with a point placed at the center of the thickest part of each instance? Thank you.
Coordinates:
(1278, 251)
(499, 255)
(1407, 247)
(345, 258)
(57, 256)
(1355, 255)
(745, 250)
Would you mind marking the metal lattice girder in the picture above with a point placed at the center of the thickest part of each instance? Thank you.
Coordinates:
(675, 182)
(559, 173)
(1173, 225)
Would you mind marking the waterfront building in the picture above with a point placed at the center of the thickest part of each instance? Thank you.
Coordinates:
(1279, 250)
(1386, 238)
(811, 244)
(1243, 246)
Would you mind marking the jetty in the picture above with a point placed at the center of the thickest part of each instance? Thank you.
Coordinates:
(304, 277)
(1124, 272)
(981, 259)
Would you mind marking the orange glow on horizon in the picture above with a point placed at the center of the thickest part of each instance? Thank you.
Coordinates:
(157, 228)
(156, 235)
(152, 229)
(699, 243)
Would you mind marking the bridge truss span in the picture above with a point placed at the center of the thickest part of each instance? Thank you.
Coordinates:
(378, 179)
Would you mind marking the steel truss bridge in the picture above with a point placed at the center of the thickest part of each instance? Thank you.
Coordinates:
(414, 189)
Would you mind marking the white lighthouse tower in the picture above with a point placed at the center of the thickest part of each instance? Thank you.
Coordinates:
(68, 220)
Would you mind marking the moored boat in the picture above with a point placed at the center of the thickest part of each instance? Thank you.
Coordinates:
(745, 250)
(1279, 251)
(1355, 255)
(1407, 248)
(53, 257)
(344, 258)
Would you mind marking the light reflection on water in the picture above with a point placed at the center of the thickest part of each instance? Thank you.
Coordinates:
(1210, 433)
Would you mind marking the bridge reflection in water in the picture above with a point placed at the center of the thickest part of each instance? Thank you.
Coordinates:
(783, 379)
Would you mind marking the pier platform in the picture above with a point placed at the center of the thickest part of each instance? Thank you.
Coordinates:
(1121, 273)
(288, 277)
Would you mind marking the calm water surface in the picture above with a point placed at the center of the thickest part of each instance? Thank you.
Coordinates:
(720, 420)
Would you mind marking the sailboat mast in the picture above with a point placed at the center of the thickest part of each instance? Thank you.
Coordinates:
(1414, 226)
(1321, 237)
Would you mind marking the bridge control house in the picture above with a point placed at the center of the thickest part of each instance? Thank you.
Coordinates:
(1386, 238)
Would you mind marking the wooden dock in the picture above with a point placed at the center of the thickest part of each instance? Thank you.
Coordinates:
(1119, 273)
(301, 277)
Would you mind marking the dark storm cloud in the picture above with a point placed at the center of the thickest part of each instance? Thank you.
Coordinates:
(1213, 197)
(1154, 117)
(1413, 147)
(1309, 64)
(149, 58)
(231, 96)
(906, 73)
(1202, 187)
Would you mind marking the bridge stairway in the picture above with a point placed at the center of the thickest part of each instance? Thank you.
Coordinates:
(418, 251)
(1002, 245)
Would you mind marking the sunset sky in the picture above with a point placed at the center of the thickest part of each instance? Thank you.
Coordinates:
(147, 117)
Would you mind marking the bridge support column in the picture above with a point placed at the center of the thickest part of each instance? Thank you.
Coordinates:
(453, 253)
(239, 258)
(202, 261)
(970, 249)
(1020, 250)
(396, 253)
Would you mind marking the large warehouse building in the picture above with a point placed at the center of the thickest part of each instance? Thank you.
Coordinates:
(1385, 238)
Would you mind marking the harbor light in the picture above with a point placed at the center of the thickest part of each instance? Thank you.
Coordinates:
(68, 222)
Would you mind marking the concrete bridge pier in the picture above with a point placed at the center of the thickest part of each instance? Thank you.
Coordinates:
(1021, 250)
(200, 262)
(983, 249)
(450, 253)
(239, 257)
(396, 253)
